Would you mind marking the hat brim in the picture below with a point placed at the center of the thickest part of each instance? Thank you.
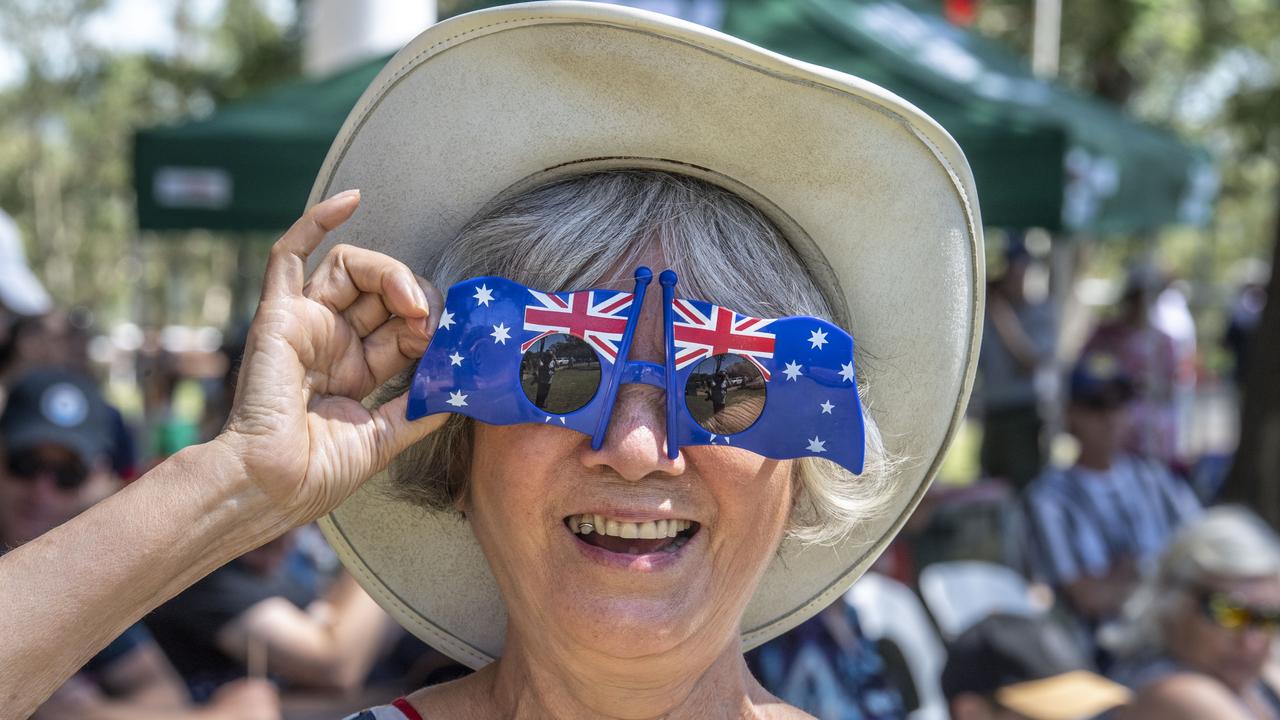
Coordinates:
(36, 434)
(875, 197)
(1071, 696)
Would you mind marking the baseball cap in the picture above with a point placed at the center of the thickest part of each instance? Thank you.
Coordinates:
(1031, 666)
(20, 290)
(59, 407)
(1098, 380)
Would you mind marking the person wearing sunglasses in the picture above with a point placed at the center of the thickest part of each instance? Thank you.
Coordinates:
(1097, 526)
(1198, 639)
(55, 443)
(668, 204)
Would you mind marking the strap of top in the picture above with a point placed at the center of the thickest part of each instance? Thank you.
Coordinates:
(399, 709)
(403, 706)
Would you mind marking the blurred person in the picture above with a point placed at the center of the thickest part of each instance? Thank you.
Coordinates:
(21, 293)
(164, 431)
(1017, 346)
(1171, 314)
(61, 339)
(1096, 526)
(1198, 639)
(1015, 667)
(326, 641)
(827, 666)
(1243, 316)
(1149, 357)
(55, 435)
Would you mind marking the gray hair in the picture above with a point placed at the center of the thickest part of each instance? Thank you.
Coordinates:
(580, 231)
(1227, 543)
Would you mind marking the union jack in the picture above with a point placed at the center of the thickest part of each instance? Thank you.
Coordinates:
(597, 316)
(717, 330)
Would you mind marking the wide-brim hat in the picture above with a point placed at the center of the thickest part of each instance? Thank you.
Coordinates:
(874, 196)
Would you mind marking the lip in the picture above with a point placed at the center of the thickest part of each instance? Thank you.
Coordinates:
(634, 516)
(648, 562)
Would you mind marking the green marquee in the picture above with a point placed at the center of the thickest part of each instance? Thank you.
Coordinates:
(1041, 155)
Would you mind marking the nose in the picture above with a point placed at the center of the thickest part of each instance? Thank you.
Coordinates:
(635, 445)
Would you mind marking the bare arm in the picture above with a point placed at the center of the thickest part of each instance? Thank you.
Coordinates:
(1186, 696)
(240, 700)
(87, 581)
(1099, 598)
(332, 644)
(1015, 338)
(298, 443)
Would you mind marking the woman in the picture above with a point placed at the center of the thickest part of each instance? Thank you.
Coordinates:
(1199, 636)
(564, 146)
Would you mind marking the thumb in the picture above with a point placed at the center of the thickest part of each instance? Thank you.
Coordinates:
(395, 433)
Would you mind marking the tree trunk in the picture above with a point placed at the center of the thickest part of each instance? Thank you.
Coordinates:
(1254, 479)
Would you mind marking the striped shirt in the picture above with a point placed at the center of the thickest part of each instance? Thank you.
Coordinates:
(398, 710)
(1083, 521)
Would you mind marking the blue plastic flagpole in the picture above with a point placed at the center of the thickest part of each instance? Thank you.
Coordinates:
(668, 280)
(643, 276)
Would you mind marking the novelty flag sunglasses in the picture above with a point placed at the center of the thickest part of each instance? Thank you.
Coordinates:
(505, 354)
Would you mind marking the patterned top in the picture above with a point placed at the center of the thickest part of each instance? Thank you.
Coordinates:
(828, 668)
(1083, 521)
(398, 710)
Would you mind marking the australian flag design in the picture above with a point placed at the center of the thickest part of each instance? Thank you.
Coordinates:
(810, 407)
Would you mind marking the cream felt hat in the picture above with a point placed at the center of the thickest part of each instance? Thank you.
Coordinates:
(875, 197)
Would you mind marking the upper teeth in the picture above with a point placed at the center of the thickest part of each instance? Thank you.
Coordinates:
(651, 530)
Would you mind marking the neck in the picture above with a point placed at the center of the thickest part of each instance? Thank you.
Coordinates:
(564, 682)
(1095, 460)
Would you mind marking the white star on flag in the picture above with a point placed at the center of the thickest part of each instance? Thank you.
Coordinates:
(846, 371)
(501, 333)
(457, 399)
(816, 445)
(484, 295)
(818, 338)
(827, 407)
(792, 370)
(446, 320)
(455, 359)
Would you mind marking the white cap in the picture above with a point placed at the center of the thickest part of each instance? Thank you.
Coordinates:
(20, 290)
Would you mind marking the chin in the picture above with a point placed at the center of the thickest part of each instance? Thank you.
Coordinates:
(636, 625)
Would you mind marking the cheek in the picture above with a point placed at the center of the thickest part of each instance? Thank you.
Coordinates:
(515, 465)
(753, 495)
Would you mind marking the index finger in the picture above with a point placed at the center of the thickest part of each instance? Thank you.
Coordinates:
(287, 264)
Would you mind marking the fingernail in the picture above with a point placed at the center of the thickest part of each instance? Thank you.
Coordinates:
(419, 297)
(352, 193)
(420, 324)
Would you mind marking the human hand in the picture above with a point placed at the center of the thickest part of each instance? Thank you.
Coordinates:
(248, 699)
(314, 350)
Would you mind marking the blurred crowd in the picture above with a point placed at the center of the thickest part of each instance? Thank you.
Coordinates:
(1097, 581)
(282, 631)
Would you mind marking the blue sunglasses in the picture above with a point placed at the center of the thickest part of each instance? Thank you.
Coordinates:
(505, 354)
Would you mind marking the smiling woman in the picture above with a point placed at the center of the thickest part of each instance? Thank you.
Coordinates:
(616, 511)
(599, 225)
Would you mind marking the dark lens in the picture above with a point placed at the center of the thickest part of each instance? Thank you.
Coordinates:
(67, 476)
(725, 394)
(560, 373)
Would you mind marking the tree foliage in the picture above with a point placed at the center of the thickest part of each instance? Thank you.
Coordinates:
(65, 161)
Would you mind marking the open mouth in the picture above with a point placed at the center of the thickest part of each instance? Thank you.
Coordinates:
(631, 538)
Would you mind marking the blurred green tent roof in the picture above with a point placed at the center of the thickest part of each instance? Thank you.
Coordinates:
(248, 166)
(1119, 175)
(1041, 154)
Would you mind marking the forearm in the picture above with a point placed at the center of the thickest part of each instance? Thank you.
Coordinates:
(358, 630)
(69, 592)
